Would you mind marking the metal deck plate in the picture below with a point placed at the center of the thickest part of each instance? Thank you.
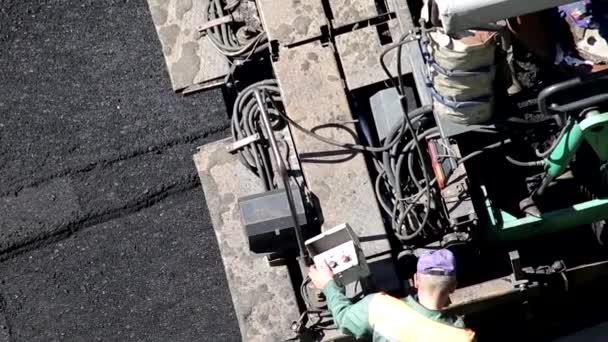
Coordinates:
(190, 60)
(347, 12)
(264, 300)
(313, 94)
(360, 54)
(292, 21)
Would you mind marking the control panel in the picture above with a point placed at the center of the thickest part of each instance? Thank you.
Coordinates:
(339, 258)
(339, 247)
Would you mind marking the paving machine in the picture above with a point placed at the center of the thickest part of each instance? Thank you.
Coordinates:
(366, 133)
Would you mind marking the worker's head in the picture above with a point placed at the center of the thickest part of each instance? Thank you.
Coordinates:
(436, 276)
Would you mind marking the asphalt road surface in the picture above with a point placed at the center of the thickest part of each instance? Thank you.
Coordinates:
(104, 233)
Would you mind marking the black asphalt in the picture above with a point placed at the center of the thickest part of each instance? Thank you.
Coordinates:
(104, 233)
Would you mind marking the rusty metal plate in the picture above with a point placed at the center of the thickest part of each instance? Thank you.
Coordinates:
(482, 296)
(292, 21)
(479, 291)
(190, 60)
(314, 95)
(346, 12)
(263, 297)
(360, 54)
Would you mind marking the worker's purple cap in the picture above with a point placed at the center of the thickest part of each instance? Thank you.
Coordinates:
(439, 262)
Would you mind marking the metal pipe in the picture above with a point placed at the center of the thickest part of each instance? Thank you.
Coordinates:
(459, 15)
(282, 170)
(216, 22)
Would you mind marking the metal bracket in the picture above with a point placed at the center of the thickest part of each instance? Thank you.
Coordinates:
(240, 144)
(275, 260)
(519, 277)
(215, 22)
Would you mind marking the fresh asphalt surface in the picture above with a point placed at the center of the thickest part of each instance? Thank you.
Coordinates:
(104, 232)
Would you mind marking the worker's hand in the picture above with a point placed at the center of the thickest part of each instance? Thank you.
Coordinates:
(320, 275)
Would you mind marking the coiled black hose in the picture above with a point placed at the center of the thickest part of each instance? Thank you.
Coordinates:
(224, 35)
(246, 122)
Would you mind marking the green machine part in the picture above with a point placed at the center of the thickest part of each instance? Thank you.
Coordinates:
(564, 151)
(593, 129)
(506, 227)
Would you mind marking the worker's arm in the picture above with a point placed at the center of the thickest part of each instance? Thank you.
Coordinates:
(351, 317)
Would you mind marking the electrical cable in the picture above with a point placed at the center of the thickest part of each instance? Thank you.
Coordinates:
(482, 150)
(534, 163)
(461, 161)
(401, 150)
(400, 208)
(391, 144)
(358, 147)
(314, 308)
(405, 193)
(401, 41)
(310, 304)
(400, 211)
(224, 36)
(245, 122)
(563, 132)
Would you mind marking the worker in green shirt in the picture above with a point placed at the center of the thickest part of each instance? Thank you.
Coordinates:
(409, 319)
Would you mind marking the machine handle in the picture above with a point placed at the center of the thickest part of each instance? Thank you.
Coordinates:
(581, 104)
(586, 102)
(282, 170)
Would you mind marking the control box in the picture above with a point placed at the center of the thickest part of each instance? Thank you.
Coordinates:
(339, 247)
(268, 221)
